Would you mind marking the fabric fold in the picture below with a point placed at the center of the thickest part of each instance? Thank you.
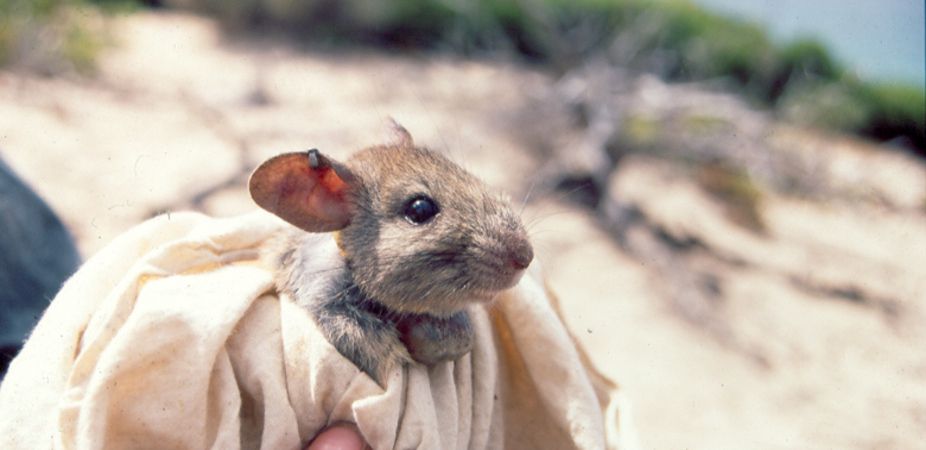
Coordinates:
(174, 337)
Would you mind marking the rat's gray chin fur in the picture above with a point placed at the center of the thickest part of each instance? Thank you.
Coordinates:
(446, 302)
(446, 307)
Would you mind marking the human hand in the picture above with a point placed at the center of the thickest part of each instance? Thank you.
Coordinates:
(340, 436)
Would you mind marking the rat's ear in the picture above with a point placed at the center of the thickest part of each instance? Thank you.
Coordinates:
(399, 136)
(307, 190)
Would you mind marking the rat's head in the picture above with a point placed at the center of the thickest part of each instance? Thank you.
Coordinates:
(419, 233)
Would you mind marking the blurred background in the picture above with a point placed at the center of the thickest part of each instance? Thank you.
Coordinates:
(728, 196)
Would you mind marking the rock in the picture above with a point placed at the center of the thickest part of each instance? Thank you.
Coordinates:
(36, 255)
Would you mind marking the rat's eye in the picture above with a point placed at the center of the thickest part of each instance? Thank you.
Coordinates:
(420, 209)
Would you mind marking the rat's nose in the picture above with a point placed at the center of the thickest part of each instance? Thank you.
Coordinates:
(520, 253)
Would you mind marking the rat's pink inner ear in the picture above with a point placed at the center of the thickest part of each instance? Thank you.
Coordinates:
(314, 199)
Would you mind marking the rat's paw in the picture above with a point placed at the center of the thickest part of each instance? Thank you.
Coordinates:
(430, 340)
(361, 336)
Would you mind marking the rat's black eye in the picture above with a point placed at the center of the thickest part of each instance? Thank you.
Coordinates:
(420, 209)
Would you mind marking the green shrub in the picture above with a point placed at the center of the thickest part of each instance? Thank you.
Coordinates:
(739, 196)
(51, 36)
(829, 105)
(712, 46)
(894, 111)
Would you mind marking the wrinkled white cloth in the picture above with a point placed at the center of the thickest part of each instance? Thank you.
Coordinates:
(173, 337)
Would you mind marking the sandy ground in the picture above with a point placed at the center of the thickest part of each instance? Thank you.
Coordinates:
(822, 319)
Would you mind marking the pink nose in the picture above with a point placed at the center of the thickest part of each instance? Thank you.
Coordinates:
(520, 254)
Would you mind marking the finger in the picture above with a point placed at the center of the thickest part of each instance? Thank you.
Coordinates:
(340, 436)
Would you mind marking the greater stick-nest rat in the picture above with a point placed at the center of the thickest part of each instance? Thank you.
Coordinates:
(418, 240)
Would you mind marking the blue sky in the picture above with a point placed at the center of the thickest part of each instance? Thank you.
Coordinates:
(878, 39)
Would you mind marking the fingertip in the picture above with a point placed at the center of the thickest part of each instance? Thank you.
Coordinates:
(340, 436)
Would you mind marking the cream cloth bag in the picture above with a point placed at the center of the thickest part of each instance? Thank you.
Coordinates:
(173, 337)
